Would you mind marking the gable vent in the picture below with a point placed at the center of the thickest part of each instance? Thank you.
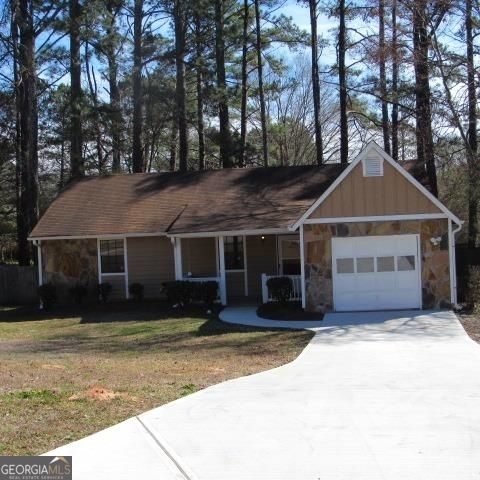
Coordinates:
(373, 167)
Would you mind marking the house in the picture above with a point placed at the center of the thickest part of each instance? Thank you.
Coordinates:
(364, 236)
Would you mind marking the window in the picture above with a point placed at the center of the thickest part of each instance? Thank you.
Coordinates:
(406, 263)
(365, 265)
(233, 253)
(111, 256)
(385, 264)
(345, 265)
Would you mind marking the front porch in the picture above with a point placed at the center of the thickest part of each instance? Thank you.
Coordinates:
(241, 264)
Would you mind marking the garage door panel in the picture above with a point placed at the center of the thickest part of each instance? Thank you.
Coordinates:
(379, 272)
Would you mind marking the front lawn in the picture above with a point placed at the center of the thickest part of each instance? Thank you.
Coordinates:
(64, 376)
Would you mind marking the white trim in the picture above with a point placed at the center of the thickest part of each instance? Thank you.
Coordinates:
(245, 268)
(363, 154)
(39, 261)
(223, 283)
(177, 258)
(216, 258)
(302, 267)
(125, 260)
(231, 233)
(453, 264)
(112, 236)
(375, 218)
(99, 262)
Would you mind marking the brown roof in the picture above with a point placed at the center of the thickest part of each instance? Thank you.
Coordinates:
(188, 202)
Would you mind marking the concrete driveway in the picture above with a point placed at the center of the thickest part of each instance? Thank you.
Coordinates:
(374, 396)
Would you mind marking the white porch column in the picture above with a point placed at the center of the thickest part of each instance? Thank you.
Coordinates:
(177, 255)
(38, 244)
(302, 267)
(223, 282)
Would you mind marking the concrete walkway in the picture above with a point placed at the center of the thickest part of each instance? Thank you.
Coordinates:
(373, 396)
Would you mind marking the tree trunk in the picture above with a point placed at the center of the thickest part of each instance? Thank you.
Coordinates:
(199, 78)
(26, 93)
(180, 87)
(77, 165)
(137, 147)
(383, 75)
(423, 131)
(394, 82)
(342, 80)
(316, 82)
(263, 115)
(114, 91)
(243, 108)
(173, 144)
(223, 114)
(472, 131)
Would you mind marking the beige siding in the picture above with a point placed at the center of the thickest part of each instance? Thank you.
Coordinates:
(391, 194)
(118, 285)
(150, 262)
(199, 257)
(235, 285)
(261, 258)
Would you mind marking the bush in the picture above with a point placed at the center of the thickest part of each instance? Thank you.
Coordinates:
(136, 291)
(184, 292)
(78, 292)
(280, 288)
(206, 292)
(48, 295)
(474, 287)
(104, 290)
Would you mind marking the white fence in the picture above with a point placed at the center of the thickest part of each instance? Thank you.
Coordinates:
(296, 291)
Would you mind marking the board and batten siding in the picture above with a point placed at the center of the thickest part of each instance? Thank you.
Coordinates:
(150, 262)
(199, 257)
(261, 258)
(390, 194)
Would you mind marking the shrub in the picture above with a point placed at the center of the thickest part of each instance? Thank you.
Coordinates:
(78, 292)
(178, 292)
(474, 287)
(104, 290)
(280, 288)
(48, 295)
(184, 292)
(206, 292)
(136, 291)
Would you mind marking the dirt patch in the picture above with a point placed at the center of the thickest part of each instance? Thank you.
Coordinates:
(471, 324)
(100, 394)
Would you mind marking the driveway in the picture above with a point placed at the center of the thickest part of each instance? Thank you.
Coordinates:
(374, 396)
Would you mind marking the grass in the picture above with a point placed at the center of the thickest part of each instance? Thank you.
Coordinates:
(292, 311)
(69, 374)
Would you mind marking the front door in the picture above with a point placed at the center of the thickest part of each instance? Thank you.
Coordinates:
(289, 255)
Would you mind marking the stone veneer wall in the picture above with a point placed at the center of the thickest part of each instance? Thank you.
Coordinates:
(68, 262)
(434, 259)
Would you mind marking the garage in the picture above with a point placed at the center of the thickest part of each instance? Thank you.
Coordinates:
(376, 272)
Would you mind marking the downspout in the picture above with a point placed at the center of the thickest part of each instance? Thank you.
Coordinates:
(453, 263)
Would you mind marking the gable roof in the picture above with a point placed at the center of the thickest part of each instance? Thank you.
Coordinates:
(185, 202)
(411, 171)
(193, 202)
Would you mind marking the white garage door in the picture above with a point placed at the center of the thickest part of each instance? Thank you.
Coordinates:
(376, 273)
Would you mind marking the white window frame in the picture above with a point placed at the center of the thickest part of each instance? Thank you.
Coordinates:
(124, 274)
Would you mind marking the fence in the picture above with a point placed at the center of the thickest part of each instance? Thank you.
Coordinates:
(18, 284)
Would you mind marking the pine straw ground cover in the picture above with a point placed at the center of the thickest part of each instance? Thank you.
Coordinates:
(64, 376)
(471, 324)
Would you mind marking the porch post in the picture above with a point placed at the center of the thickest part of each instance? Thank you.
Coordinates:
(177, 255)
(39, 261)
(302, 267)
(223, 283)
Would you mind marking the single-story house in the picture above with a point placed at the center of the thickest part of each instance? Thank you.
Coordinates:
(365, 236)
